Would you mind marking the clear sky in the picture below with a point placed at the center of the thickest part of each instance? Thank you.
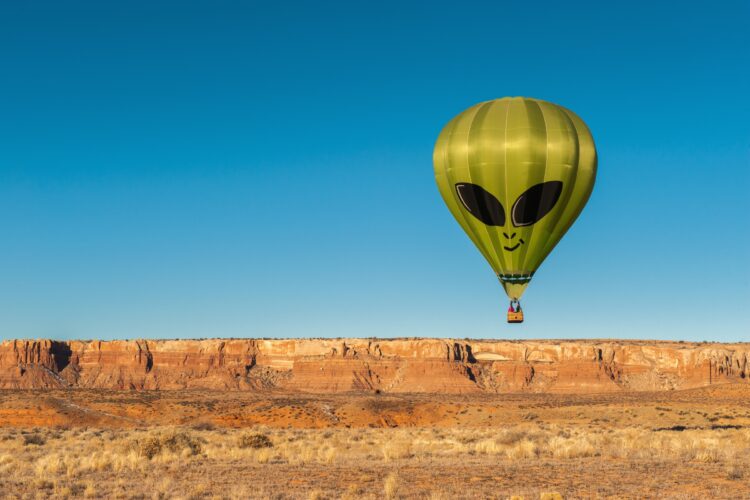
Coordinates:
(257, 169)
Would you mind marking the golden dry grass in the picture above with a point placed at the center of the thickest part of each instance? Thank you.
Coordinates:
(153, 462)
(207, 444)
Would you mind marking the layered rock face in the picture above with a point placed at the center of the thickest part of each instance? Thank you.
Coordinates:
(368, 365)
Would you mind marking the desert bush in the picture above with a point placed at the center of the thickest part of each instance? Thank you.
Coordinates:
(353, 491)
(181, 441)
(734, 473)
(315, 495)
(708, 456)
(7, 458)
(577, 447)
(468, 439)
(488, 446)
(393, 450)
(77, 489)
(90, 491)
(329, 456)
(551, 496)
(44, 484)
(255, 441)
(50, 465)
(176, 442)
(34, 439)
(390, 485)
(522, 449)
(263, 455)
(508, 437)
(63, 491)
(148, 447)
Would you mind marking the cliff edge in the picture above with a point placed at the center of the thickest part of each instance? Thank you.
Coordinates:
(368, 365)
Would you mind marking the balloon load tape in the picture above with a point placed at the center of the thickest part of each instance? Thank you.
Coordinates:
(515, 278)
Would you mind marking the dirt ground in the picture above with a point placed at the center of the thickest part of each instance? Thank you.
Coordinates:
(207, 444)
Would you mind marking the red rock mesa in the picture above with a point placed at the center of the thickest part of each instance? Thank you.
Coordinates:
(385, 365)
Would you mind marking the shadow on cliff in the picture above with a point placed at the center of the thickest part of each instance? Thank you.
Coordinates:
(61, 353)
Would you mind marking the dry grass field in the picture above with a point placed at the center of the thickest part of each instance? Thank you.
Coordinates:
(691, 444)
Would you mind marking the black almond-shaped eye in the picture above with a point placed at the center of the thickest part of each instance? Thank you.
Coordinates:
(481, 204)
(535, 203)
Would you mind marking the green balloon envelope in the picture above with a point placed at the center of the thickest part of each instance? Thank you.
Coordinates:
(515, 173)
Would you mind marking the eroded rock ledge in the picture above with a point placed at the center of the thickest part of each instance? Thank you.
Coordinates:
(387, 365)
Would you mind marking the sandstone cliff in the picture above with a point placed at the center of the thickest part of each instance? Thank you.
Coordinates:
(397, 365)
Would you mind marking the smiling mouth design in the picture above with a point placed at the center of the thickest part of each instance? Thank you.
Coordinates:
(510, 249)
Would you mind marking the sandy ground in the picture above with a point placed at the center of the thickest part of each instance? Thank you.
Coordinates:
(100, 444)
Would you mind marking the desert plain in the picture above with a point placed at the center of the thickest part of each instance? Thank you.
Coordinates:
(374, 418)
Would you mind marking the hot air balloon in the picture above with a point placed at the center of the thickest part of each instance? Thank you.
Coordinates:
(515, 173)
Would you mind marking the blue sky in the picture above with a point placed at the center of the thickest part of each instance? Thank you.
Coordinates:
(252, 169)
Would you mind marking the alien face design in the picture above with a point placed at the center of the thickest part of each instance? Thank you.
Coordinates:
(528, 209)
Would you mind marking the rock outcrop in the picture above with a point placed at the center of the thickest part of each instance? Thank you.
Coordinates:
(385, 365)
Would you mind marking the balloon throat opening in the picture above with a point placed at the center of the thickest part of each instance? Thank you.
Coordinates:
(515, 278)
(515, 284)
